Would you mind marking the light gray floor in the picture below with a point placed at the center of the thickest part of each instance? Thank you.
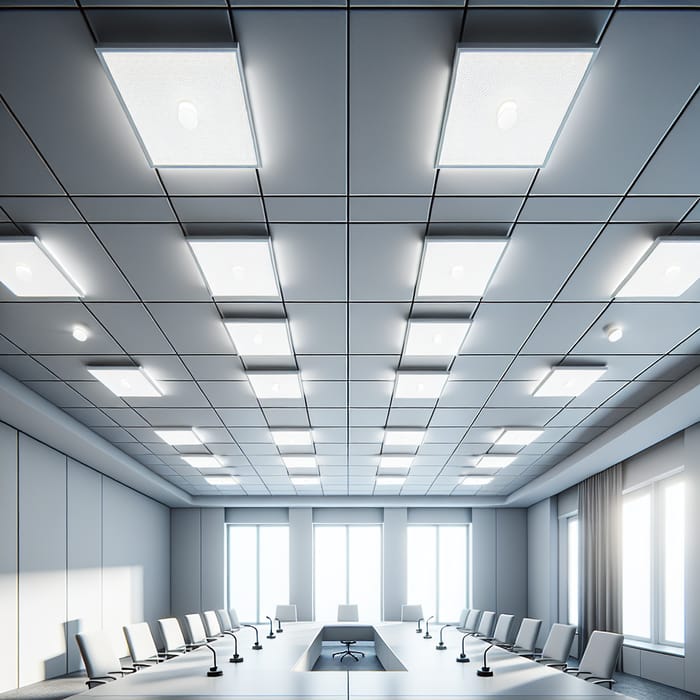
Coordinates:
(326, 662)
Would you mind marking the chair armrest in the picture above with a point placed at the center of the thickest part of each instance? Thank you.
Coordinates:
(594, 680)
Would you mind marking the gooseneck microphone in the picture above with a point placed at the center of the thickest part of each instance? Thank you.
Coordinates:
(427, 634)
(418, 629)
(462, 658)
(441, 646)
(485, 670)
(236, 658)
(257, 644)
(214, 670)
(272, 631)
(279, 626)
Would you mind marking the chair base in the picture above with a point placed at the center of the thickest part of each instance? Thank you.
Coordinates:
(355, 655)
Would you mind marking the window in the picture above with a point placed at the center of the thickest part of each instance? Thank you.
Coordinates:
(347, 570)
(438, 569)
(653, 563)
(258, 569)
(572, 543)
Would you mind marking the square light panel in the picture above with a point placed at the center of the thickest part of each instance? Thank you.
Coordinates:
(221, 480)
(390, 480)
(495, 461)
(292, 437)
(126, 381)
(476, 480)
(568, 381)
(276, 385)
(28, 269)
(202, 461)
(237, 267)
(299, 462)
(669, 267)
(395, 461)
(435, 338)
(178, 436)
(188, 107)
(506, 107)
(458, 268)
(403, 438)
(518, 436)
(419, 385)
(305, 480)
(260, 338)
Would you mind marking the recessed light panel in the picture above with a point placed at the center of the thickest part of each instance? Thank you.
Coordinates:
(237, 267)
(395, 461)
(506, 106)
(668, 268)
(476, 480)
(202, 461)
(188, 106)
(221, 480)
(27, 269)
(292, 437)
(568, 381)
(518, 436)
(458, 268)
(403, 438)
(305, 480)
(494, 461)
(260, 338)
(126, 381)
(435, 338)
(299, 462)
(178, 436)
(419, 385)
(390, 480)
(276, 385)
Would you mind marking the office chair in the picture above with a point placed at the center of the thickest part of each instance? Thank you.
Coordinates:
(286, 613)
(471, 623)
(174, 640)
(599, 658)
(526, 638)
(462, 621)
(557, 647)
(348, 613)
(225, 621)
(501, 633)
(234, 618)
(101, 662)
(485, 628)
(211, 625)
(195, 629)
(142, 647)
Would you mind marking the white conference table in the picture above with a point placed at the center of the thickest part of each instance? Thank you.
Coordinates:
(429, 673)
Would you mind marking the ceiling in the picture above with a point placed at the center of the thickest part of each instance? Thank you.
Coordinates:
(347, 100)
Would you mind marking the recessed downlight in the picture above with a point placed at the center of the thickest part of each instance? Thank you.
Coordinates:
(80, 333)
(613, 332)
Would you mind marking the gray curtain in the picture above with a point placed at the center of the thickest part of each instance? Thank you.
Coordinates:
(600, 552)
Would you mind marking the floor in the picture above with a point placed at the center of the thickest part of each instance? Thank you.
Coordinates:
(326, 662)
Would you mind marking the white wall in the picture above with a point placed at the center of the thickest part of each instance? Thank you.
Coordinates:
(78, 551)
(542, 574)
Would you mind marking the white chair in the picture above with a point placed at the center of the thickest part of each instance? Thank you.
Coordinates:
(486, 623)
(211, 625)
(472, 621)
(462, 621)
(101, 662)
(195, 629)
(411, 613)
(171, 632)
(234, 618)
(599, 658)
(286, 613)
(502, 632)
(526, 638)
(225, 621)
(348, 613)
(142, 647)
(557, 647)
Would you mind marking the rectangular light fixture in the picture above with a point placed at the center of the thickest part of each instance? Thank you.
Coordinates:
(476, 480)
(240, 267)
(126, 381)
(390, 480)
(276, 385)
(178, 436)
(188, 106)
(28, 269)
(506, 107)
(299, 462)
(403, 438)
(305, 480)
(202, 461)
(458, 268)
(292, 437)
(568, 381)
(419, 385)
(517, 436)
(221, 480)
(260, 338)
(495, 461)
(395, 461)
(435, 338)
(668, 268)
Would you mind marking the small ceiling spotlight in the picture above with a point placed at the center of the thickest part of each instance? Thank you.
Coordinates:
(613, 332)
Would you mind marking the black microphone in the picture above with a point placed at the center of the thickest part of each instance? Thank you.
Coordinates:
(236, 658)
(257, 644)
(441, 646)
(214, 670)
(419, 630)
(427, 634)
(485, 670)
(279, 626)
(272, 631)
(462, 658)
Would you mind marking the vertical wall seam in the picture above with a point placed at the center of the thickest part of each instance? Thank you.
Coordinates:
(201, 567)
(17, 556)
(65, 627)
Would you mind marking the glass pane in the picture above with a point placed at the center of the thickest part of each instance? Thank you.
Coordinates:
(330, 581)
(572, 574)
(636, 565)
(452, 574)
(365, 570)
(274, 569)
(242, 572)
(674, 558)
(421, 568)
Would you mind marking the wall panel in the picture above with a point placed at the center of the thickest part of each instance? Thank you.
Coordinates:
(186, 560)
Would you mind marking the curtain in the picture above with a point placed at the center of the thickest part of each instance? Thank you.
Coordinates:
(600, 551)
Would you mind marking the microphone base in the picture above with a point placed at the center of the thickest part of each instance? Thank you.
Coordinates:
(419, 631)
(270, 636)
(257, 646)
(214, 672)
(236, 659)
(279, 631)
(484, 671)
(427, 636)
(441, 646)
(462, 659)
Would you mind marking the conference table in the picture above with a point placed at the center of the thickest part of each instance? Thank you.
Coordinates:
(283, 669)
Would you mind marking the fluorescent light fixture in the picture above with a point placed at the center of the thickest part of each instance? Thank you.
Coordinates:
(668, 268)
(568, 381)
(126, 381)
(80, 333)
(518, 436)
(178, 436)
(276, 385)
(403, 438)
(494, 461)
(419, 385)
(292, 437)
(260, 338)
(202, 461)
(28, 269)
(476, 480)
(506, 107)
(435, 338)
(237, 267)
(305, 480)
(188, 106)
(299, 461)
(390, 480)
(395, 461)
(221, 480)
(455, 267)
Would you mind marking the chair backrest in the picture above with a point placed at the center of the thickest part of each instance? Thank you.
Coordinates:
(559, 641)
(600, 655)
(224, 620)
(486, 623)
(500, 634)
(235, 622)
(527, 634)
(98, 655)
(140, 641)
(286, 613)
(211, 624)
(348, 613)
(195, 628)
(171, 632)
(411, 613)
(463, 618)
(472, 620)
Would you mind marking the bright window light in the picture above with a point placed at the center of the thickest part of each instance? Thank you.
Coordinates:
(476, 480)
(419, 385)
(264, 338)
(435, 338)
(276, 385)
(237, 267)
(669, 267)
(221, 480)
(395, 461)
(403, 438)
(506, 107)
(178, 436)
(292, 437)
(28, 269)
(458, 267)
(188, 107)
(126, 381)
(305, 480)
(568, 381)
(518, 436)
(300, 462)
(494, 461)
(202, 461)
(390, 480)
